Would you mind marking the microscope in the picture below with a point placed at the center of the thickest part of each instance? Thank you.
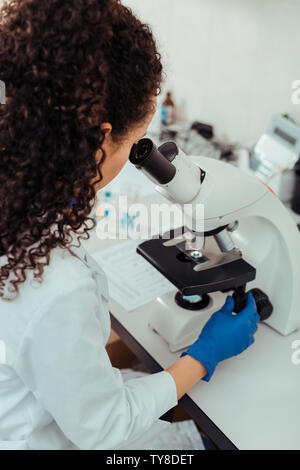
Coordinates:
(247, 242)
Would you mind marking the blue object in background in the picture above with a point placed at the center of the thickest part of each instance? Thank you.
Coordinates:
(163, 114)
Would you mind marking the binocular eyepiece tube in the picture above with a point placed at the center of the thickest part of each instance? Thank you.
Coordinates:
(178, 177)
(148, 158)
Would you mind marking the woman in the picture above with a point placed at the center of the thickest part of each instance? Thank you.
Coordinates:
(81, 82)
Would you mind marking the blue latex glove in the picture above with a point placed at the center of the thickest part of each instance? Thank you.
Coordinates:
(225, 335)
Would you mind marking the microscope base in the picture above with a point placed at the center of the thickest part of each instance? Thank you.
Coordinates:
(178, 326)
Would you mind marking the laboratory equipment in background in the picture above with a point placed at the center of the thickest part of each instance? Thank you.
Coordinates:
(250, 242)
(199, 138)
(112, 212)
(275, 156)
(168, 110)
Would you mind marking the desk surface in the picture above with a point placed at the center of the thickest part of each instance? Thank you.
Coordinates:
(254, 399)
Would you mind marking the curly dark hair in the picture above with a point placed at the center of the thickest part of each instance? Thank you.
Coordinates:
(68, 66)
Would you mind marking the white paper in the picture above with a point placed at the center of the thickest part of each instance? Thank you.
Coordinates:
(132, 281)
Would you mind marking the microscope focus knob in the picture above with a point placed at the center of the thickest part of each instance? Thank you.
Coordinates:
(263, 304)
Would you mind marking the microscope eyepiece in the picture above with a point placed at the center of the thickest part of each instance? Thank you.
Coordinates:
(167, 166)
(145, 156)
(141, 150)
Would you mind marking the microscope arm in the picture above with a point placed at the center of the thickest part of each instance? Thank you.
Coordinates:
(224, 190)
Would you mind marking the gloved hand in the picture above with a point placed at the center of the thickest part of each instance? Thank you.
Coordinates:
(225, 335)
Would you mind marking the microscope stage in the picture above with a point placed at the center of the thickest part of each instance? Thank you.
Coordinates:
(179, 270)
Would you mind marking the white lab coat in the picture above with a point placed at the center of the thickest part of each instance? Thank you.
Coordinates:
(58, 389)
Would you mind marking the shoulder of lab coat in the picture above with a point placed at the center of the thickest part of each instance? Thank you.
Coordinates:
(62, 359)
(63, 272)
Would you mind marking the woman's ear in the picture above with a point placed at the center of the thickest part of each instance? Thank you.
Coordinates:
(106, 128)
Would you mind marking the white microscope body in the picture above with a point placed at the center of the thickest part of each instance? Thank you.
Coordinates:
(265, 234)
